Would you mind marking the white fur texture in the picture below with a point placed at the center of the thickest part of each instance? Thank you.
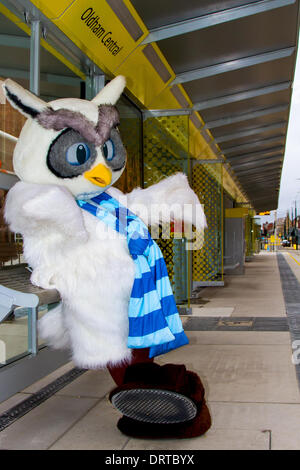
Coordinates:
(68, 248)
(65, 247)
(111, 92)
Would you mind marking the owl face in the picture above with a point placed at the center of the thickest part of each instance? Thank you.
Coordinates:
(69, 142)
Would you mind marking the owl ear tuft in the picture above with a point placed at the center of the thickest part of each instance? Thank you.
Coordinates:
(23, 100)
(111, 92)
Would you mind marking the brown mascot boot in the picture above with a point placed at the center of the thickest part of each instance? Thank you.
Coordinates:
(161, 402)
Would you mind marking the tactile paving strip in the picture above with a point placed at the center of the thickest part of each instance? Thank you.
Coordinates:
(236, 324)
(291, 292)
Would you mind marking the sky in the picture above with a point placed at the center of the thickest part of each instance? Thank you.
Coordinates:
(290, 177)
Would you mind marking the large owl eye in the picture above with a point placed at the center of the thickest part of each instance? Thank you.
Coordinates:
(109, 150)
(78, 154)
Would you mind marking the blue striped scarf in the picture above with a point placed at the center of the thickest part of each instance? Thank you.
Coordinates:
(154, 321)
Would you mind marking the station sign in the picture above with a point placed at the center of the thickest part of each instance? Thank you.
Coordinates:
(111, 33)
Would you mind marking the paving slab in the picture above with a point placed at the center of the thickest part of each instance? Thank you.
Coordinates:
(212, 311)
(45, 424)
(243, 337)
(214, 439)
(239, 426)
(241, 373)
(95, 431)
(36, 386)
(283, 421)
(93, 383)
(256, 293)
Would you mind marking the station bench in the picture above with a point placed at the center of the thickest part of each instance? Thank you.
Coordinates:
(16, 291)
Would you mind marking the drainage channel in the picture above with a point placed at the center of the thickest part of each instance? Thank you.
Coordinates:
(291, 293)
(34, 400)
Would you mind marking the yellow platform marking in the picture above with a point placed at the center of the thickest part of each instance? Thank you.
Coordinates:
(294, 259)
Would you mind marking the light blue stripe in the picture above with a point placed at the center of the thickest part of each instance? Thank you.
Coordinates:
(143, 305)
(163, 287)
(153, 339)
(145, 283)
(157, 263)
(174, 323)
(141, 266)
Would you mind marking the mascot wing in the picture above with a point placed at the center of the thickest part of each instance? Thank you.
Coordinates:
(172, 199)
(34, 208)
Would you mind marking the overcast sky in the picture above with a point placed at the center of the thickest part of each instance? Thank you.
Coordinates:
(290, 178)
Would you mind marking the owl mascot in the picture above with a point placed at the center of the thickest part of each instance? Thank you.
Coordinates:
(91, 242)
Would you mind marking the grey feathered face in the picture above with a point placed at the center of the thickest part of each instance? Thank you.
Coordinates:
(71, 155)
(74, 151)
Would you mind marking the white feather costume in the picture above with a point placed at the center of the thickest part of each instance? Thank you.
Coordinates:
(67, 247)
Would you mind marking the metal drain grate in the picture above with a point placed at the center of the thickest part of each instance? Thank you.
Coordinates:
(155, 406)
(16, 412)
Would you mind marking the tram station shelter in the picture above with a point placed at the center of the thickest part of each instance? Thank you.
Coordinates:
(209, 87)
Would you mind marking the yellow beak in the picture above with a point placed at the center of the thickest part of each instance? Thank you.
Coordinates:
(100, 175)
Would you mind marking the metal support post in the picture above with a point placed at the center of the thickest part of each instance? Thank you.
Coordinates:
(94, 83)
(35, 57)
(32, 331)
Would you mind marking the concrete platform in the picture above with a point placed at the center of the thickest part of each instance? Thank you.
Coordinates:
(257, 293)
(250, 381)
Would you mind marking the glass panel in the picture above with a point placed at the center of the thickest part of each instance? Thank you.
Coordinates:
(14, 336)
(11, 123)
(165, 153)
(11, 244)
(131, 133)
(208, 262)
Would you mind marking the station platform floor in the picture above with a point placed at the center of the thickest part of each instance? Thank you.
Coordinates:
(241, 347)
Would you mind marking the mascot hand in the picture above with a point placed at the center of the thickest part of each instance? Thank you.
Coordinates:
(170, 199)
(41, 277)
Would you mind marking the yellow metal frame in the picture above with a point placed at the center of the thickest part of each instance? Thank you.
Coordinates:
(143, 82)
(237, 212)
(12, 17)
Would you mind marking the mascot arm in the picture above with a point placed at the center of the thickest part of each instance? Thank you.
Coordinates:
(33, 209)
(170, 199)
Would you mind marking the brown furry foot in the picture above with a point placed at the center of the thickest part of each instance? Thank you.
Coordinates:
(161, 402)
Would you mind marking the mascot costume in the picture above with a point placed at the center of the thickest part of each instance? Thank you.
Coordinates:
(83, 238)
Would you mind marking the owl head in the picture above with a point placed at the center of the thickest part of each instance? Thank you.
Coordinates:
(69, 142)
